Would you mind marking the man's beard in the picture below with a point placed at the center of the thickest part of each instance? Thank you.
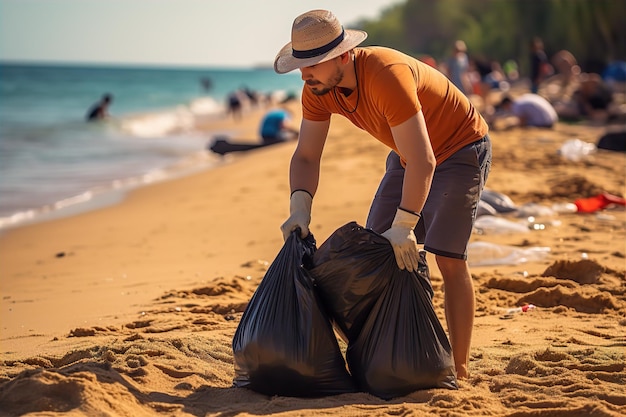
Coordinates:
(334, 81)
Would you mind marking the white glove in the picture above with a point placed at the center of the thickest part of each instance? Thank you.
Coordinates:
(300, 214)
(403, 240)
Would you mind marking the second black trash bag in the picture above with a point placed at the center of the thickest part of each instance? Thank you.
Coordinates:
(284, 343)
(351, 272)
(396, 344)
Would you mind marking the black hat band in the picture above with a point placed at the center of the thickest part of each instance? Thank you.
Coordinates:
(310, 53)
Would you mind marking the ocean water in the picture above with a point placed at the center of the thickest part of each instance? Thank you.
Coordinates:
(53, 162)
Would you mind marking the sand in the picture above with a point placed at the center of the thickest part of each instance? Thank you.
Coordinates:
(130, 310)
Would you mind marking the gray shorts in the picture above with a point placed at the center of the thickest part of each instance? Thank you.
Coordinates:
(450, 210)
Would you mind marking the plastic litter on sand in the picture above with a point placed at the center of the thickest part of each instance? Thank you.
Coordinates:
(486, 253)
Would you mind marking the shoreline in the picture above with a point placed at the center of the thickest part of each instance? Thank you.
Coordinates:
(113, 192)
(110, 194)
(111, 203)
(125, 292)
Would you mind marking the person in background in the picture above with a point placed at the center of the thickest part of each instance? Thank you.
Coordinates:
(100, 110)
(492, 77)
(511, 71)
(276, 126)
(614, 74)
(540, 68)
(207, 84)
(565, 69)
(527, 110)
(592, 100)
(458, 68)
(234, 103)
(439, 159)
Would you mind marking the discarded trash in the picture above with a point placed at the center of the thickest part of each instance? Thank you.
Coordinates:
(502, 203)
(521, 309)
(536, 210)
(536, 224)
(564, 208)
(486, 253)
(487, 224)
(598, 202)
(532, 225)
(613, 141)
(483, 208)
(576, 150)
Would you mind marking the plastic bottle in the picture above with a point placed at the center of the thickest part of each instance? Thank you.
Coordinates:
(521, 309)
(486, 253)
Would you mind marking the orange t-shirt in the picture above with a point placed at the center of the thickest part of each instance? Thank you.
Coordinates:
(392, 87)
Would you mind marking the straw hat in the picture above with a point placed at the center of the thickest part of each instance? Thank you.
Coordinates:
(316, 36)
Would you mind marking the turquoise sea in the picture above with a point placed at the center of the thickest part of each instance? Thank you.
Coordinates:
(53, 162)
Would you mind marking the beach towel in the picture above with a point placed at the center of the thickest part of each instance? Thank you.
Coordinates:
(285, 343)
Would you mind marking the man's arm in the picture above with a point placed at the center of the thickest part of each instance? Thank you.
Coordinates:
(304, 176)
(414, 145)
(305, 163)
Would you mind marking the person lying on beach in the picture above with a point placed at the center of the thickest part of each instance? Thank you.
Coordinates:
(526, 110)
(436, 167)
(100, 110)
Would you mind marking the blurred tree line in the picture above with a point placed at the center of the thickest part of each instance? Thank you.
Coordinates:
(594, 31)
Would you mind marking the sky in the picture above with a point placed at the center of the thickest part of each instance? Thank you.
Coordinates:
(198, 33)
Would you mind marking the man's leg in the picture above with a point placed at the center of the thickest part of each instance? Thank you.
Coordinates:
(447, 222)
(449, 214)
(460, 306)
(459, 299)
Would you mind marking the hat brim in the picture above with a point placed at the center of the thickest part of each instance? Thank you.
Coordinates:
(285, 62)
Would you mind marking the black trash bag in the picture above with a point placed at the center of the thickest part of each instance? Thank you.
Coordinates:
(613, 141)
(285, 343)
(396, 344)
(350, 276)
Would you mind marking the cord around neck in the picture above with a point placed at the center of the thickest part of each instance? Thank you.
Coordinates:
(358, 93)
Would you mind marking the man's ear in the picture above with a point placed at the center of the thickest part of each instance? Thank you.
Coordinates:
(346, 57)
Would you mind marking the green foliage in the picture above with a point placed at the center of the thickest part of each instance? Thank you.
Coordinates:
(593, 30)
(388, 31)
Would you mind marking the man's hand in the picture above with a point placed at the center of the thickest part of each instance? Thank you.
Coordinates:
(403, 240)
(300, 214)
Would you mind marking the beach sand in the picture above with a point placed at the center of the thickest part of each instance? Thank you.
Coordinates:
(130, 310)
